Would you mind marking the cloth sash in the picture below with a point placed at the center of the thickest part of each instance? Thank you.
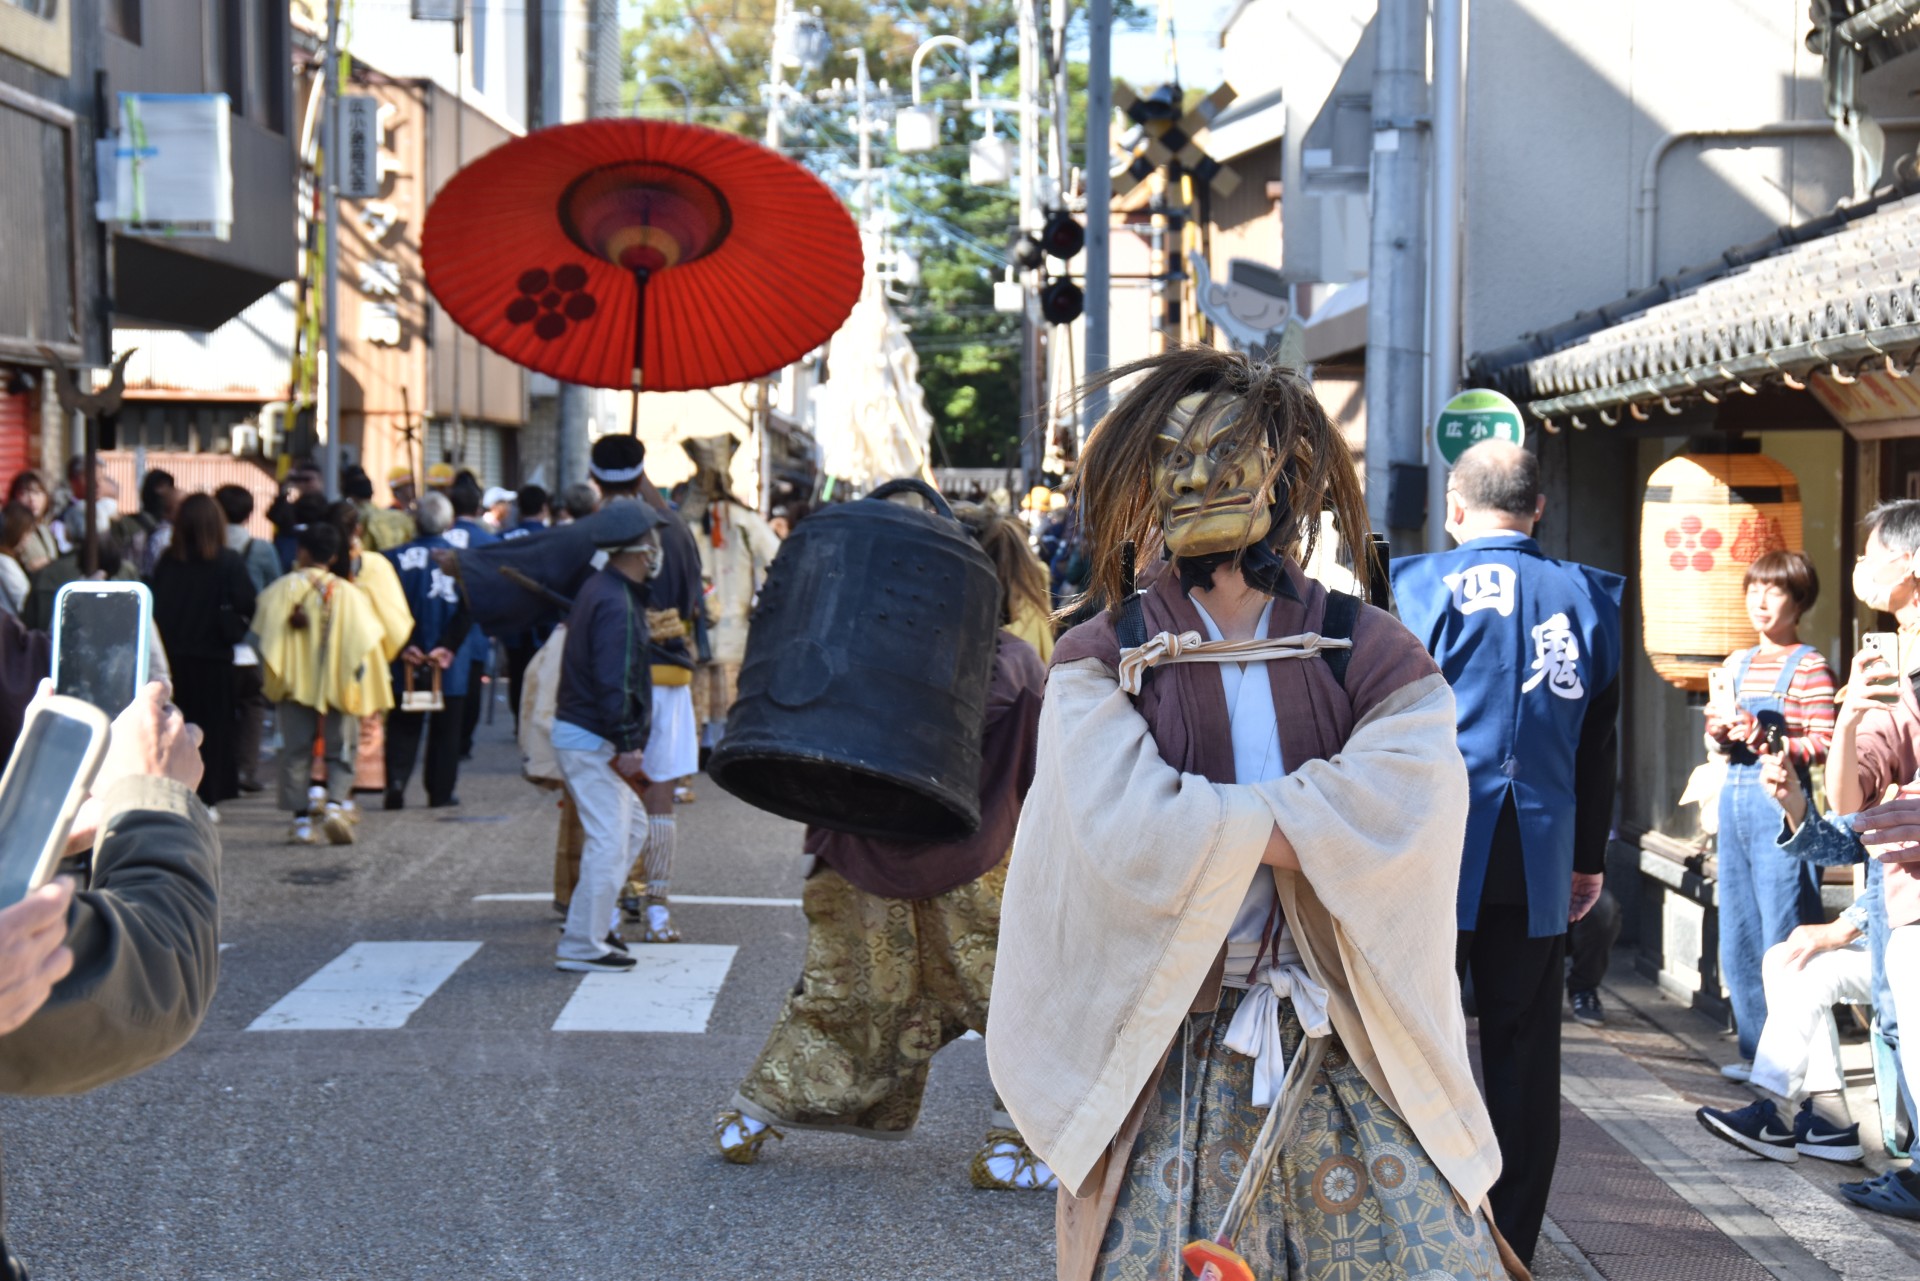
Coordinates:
(1192, 647)
(1255, 1029)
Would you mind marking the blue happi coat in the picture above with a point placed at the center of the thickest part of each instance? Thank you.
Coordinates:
(469, 533)
(1526, 642)
(434, 598)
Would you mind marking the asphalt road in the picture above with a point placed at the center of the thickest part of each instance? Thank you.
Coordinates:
(474, 1141)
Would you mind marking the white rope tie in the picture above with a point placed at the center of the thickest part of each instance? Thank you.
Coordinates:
(1191, 647)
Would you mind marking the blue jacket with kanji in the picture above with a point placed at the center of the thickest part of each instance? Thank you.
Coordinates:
(1527, 642)
(434, 598)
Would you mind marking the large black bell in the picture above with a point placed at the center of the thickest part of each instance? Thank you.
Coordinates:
(863, 693)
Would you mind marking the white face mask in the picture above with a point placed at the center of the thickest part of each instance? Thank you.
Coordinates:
(1874, 584)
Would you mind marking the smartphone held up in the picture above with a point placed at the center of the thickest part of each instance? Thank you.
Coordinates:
(100, 633)
(46, 780)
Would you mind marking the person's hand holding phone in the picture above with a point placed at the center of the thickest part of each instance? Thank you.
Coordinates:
(1780, 780)
(1872, 685)
(33, 952)
(150, 738)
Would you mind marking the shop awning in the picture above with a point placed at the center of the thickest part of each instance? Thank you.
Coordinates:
(1821, 303)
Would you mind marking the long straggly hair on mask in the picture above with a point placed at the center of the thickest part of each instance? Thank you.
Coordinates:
(1311, 469)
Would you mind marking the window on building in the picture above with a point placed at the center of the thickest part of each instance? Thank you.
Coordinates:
(38, 8)
(270, 28)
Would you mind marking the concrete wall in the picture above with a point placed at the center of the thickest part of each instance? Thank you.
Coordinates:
(1564, 103)
(1299, 47)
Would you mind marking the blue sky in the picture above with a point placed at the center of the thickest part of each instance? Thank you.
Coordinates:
(1137, 57)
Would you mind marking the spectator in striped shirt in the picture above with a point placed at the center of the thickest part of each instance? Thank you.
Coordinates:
(1764, 893)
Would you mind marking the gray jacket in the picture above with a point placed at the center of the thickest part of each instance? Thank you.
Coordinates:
(145, 935)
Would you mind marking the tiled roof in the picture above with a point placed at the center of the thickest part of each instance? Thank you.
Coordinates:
(1841, 292)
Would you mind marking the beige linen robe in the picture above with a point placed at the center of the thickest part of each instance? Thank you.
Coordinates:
(1127, 873)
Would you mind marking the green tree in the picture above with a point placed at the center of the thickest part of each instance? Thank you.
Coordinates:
(958, 233)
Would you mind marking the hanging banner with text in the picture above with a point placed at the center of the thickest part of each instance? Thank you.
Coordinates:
(1474, 416)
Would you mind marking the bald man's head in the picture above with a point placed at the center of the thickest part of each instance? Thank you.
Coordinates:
(1497, 476)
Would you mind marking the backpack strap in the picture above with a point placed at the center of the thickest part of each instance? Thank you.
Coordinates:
(1342, 611)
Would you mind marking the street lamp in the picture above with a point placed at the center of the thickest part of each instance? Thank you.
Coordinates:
(686, 94)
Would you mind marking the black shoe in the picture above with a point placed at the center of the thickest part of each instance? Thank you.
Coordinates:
(252, 785)
(443, 804)
(395, 800)
(617, 943)
(605, 963)
(1587, 1008)
(559, 908)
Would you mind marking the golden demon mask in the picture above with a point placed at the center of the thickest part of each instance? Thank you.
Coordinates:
(1213, 485)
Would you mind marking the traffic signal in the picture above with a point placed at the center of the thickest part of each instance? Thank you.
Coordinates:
(1061, 301)
(1063, 236)
(1025, 251)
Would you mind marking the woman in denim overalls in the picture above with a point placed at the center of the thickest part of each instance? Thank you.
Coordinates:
(1763, 892)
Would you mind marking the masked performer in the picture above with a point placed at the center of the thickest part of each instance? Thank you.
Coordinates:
(900, 940)
(1227, 848)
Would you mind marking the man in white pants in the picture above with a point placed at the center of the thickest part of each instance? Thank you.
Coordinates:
(602, 719)
(618, 465)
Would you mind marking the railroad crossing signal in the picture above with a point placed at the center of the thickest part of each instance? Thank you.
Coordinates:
(1167, 139)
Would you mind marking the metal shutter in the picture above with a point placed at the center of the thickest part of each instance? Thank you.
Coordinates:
(16, 435)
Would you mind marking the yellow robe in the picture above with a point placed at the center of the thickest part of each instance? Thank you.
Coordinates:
(335, 662)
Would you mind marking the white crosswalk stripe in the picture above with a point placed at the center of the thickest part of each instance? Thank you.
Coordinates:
(672, 988)
(370, 985)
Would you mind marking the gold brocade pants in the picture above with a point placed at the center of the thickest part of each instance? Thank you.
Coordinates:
(715, 685)
(887, 983)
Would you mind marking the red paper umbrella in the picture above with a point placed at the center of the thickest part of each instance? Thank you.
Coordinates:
(618, 253)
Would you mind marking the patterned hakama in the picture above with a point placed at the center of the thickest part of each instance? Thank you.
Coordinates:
(887, 983)
(1353, 1198)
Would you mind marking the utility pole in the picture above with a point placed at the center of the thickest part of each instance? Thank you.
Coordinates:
(1099, 179)
(1449, 190)
(459, 158)
(330, 250)
(1396, 273)
(776, 76)
(1032, 445)
(603, 100)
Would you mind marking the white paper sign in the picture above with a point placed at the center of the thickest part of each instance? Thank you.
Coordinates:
(173, 165)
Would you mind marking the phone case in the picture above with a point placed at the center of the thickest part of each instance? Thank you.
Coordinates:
(48, 857)
(142, 654)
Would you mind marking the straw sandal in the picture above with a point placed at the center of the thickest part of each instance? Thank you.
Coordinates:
(1028, 1172)
(664, 933)
(736, 1140)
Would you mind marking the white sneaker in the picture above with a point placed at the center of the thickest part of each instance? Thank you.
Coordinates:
(316, 798)
(1742, 1071)
(213, 813)
(302, 833)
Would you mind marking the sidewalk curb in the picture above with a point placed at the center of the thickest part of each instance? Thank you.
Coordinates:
(1767, 1213)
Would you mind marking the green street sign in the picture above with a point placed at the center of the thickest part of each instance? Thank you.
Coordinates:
(1474, 416)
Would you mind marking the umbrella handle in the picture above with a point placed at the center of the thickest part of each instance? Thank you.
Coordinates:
(920, 487)
(1274, 1133)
